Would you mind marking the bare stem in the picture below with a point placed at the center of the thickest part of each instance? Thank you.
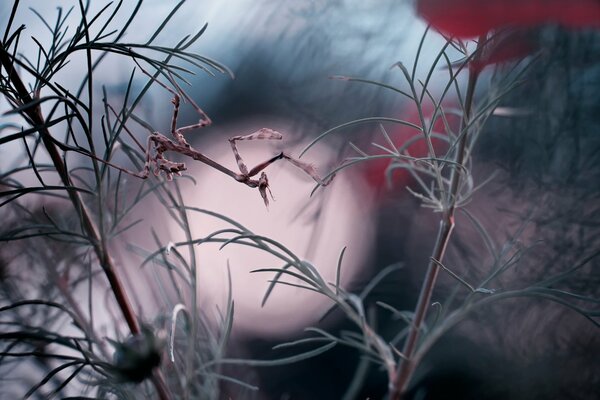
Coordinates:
(407, 366)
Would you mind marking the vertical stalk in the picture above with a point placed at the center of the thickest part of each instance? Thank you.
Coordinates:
(407, 366)
(35, 116)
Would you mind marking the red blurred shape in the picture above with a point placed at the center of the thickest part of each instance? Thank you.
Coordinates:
(374, 171)
(470, 18)
(505, 46)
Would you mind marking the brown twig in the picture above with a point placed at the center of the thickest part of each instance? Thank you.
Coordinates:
(407, 366)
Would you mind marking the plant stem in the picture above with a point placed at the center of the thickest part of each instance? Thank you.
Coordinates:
(407, 366)
(35, 116)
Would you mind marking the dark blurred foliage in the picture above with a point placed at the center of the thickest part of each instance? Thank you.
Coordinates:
(551, 154)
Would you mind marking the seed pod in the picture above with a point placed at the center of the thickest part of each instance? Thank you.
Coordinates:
(136, 357)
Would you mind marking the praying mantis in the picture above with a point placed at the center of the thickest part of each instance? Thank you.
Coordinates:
(158, 144)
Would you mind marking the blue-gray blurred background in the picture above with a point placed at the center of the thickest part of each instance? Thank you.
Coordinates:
(548, 161)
